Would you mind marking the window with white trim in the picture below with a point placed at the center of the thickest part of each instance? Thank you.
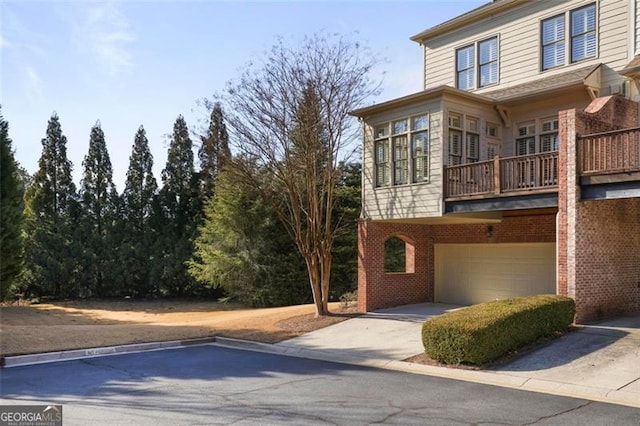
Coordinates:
(382, 155)
(485, 66)
(455, 139)
(580, 41)
(549, 135)
(526, 139)
(583, 33)
(472, 147)
(402, 151)
(420, 148)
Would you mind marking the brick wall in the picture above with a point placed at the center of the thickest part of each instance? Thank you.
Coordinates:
(598, 241)
(377, 289)
(607, 258)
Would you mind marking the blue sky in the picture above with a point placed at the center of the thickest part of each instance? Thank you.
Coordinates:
(132, 63)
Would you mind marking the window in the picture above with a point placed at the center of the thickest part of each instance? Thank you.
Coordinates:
(581, 39)
(472, 147)
(402, 151)
(455, 139)
(420, 148)
(465, 67)
(493, 130)
(583, 33)
(549, 135)
(400, 160)
(553, 42)
(526, 140)
(487, 64)
(382, 156)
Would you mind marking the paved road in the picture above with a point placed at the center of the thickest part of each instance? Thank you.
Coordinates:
(212, 385)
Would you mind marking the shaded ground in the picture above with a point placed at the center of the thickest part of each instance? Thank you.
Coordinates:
(94, 323)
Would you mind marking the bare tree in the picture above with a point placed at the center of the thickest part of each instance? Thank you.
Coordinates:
(289, 118)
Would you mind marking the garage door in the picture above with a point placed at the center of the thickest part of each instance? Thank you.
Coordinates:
(472, 273)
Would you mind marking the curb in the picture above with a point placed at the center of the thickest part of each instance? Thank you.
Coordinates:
(476, 376)
(42, 358)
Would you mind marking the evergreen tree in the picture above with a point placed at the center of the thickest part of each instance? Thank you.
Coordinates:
(11, 214)
(99, 209)
(243, 248)
(214, 151)
(346, 213)
(51, 215)
(138, 197)
(177, 215)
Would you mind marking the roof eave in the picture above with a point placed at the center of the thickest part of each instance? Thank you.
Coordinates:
(417, 97)
(474, 15)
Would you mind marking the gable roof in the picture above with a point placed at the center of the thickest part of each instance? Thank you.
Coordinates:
(474, 15)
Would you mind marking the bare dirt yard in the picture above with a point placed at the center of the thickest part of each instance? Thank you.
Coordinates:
(94, 323)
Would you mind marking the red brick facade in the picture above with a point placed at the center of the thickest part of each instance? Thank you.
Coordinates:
(598, 242)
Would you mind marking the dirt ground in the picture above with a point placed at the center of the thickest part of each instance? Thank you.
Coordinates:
(94, 323)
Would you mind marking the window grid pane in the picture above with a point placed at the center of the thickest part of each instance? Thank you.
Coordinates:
(382, 163)
(420, 152)
(400, 160)
(553, 46)
(465, 62)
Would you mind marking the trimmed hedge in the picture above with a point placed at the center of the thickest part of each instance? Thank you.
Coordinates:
(482, 333)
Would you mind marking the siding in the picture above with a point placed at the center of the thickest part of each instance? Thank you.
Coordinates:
(404, 201)
(519, 35)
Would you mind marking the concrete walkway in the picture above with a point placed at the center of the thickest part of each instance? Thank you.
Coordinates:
(599, 361)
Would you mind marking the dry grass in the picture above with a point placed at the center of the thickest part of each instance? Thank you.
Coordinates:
(94, 323)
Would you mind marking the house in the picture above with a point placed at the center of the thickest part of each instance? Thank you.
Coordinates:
(516, 170)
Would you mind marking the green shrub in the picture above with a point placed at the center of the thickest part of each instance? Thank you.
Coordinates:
(482, 333)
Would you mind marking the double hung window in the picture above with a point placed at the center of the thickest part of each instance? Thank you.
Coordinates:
(580, 41)
(477, 64)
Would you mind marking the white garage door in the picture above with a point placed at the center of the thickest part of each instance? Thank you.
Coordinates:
(473, 273)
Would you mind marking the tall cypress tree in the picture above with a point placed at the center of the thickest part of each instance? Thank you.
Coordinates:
(99, 208)
(180, 206)
(11, 214)
(214, 150)
(138, 197)
(51, 215)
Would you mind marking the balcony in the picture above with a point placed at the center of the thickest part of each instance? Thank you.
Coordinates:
(614, 154)
(608, 166)
(501, 177)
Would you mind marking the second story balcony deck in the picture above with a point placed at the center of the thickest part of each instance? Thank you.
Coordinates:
(608, 165)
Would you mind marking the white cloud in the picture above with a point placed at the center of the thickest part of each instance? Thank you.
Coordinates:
(34, 85)
(104, 32)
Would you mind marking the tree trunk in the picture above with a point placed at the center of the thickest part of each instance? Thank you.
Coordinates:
(314, 270)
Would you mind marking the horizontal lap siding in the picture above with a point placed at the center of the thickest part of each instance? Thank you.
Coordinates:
(519, 35)
(405, 201)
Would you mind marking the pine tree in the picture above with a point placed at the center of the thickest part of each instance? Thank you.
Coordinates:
(214, 151)
(243, 248)
(177, 215)
(11, 214)
(99, 209)
(138, 197)
(51, 215)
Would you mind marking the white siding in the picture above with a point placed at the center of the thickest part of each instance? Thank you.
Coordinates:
(412, 200)
(519, 34)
